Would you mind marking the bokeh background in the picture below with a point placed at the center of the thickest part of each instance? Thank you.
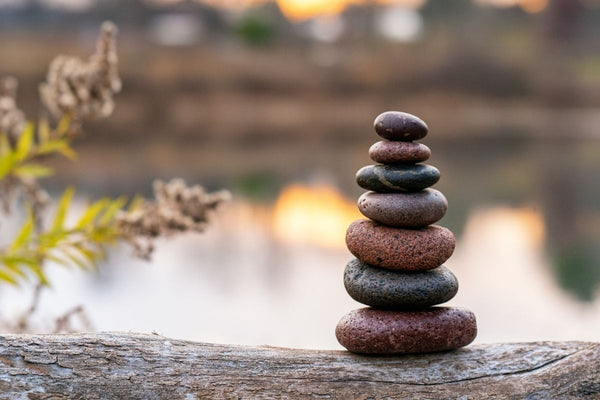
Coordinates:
(275, 102)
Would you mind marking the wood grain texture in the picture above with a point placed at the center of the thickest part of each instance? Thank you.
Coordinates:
(134, 366)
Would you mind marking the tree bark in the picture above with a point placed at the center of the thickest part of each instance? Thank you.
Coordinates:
(134, 366)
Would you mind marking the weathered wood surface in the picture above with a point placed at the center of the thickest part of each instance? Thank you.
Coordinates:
(133, 366)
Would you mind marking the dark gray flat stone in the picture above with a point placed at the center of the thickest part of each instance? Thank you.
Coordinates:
(397, 177)
(383, 288)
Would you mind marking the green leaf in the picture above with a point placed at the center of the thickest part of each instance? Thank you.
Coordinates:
(33, 171)
(7, 157)
(61, 210)
(78, 261)
(16, 259)
(51, 146)
(44, 131)
(58, 260)
(24, 143)
(68, 152)
(91, 213)
(110, 212)
(63, 125)
(37, 270)
(135, 203)
(49, 240)
(24, 234)
(58, 146)
(11, 264)
(90, 255)
(5, 148)
(6, 277)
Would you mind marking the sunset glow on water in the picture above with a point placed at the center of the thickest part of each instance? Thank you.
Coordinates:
(316, 215)
(273, 275)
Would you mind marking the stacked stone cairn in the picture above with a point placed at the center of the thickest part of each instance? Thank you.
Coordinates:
(398, 269)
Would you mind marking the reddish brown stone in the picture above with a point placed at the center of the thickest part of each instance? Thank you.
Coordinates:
(372, 331)
(386, 152)
(404, 210)
(399, 249)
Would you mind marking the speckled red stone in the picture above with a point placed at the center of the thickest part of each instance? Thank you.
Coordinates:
(404, 210)
(373, 331)
(387, 152)
(397, 248)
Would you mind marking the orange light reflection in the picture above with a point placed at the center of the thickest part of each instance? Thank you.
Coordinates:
(316, 215)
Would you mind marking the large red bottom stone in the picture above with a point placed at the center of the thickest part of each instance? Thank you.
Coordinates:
(373, 331)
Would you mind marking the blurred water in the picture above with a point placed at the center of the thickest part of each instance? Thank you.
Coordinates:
(249, 280)
(269, 270)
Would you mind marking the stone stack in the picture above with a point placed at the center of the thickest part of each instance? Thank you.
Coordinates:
(398, 269)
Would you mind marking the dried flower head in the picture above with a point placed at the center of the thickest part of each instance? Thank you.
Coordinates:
(177, 208)
(12, 120)
(84, 89)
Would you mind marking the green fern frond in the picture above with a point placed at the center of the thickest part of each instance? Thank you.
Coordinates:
(82, 245)
(21, 159)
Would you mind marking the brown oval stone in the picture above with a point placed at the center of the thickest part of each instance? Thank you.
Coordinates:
(387, 152)
(404, 210)
(396, 125)
(397, 248)
(372, 331)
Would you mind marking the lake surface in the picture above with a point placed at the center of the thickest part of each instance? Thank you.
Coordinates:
(268, 270)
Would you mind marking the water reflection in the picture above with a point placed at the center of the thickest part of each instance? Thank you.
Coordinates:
(572, 212)
(555, 176)
(247, 280)
(318, 215)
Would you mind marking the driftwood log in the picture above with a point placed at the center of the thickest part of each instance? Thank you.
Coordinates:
(133, 366)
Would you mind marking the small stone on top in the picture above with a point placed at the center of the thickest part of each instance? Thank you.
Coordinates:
(396, 125)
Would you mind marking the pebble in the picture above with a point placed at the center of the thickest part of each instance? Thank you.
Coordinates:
(373, 331)
(396, 125)
(397, 248)
(397, 177)
(384, 288)
(404, 210)
(387, 152)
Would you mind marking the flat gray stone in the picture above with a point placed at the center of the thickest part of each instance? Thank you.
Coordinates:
(397, 177)
(383, 288)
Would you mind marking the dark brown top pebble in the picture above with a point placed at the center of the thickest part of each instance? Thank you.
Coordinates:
(396, 125)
